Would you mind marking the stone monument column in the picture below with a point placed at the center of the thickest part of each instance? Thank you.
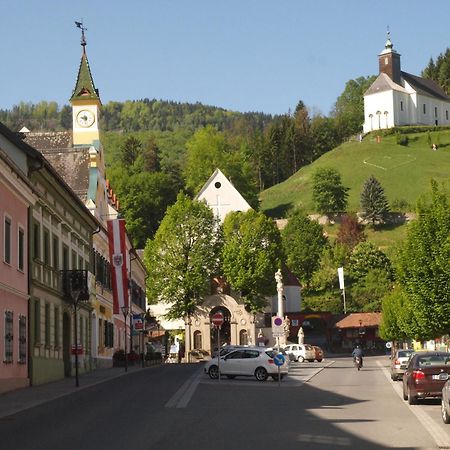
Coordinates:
(281, 341)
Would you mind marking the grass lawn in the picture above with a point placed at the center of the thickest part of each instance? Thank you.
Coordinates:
(403, 171)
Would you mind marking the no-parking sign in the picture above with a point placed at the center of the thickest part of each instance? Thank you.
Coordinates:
(277, 326)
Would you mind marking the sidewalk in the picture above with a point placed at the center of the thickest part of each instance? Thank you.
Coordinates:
(25, 398)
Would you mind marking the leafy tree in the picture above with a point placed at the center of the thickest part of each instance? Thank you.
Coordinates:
(350, 231)
(374, 203)
(303, 243)
(183, 256)
(150, 156)
(329, 194)
(349, 108)
(325, 278)
(144, 199)
(366, 257)
(393, 304)
(324, 136)
(367, 294)
(251, 255)
(423, 268)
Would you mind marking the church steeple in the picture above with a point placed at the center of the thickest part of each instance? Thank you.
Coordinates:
(84, 87)
(85, 101)
(389, 61)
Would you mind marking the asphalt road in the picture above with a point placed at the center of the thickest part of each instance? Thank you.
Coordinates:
(319, 406)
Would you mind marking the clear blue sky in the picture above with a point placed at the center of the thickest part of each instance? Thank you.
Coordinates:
(243, 55)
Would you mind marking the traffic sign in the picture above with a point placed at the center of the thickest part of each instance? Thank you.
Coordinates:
(279, 359)
(217, 319)
(277, 326)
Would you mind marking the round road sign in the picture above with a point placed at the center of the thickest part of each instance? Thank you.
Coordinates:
(279, 359)
(278, 321)
(217, 319)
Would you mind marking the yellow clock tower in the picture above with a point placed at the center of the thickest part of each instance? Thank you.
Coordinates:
(85, 102)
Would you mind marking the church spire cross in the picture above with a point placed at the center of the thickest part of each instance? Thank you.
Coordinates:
(83, 37)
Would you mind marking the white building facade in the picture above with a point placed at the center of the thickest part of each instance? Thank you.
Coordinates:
(397, 98)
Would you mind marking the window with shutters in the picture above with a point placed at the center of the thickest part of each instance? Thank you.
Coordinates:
(22, 339)
(9, 337)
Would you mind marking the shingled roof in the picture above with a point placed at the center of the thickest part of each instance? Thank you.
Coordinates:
(85, 88)
(357, 320)
(425, 86)
(71, 163)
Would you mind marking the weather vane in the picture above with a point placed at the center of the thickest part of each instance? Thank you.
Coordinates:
(83, 29)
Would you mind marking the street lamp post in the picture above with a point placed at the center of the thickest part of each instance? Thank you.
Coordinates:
(125, 311)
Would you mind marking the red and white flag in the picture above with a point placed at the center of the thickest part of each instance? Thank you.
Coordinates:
(118, 258)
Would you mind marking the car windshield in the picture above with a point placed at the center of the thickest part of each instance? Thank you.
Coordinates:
(433, 360)
(404, 353)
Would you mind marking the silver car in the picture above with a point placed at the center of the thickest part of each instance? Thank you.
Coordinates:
(399, 362)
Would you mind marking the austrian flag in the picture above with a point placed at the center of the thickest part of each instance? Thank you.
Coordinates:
(118, 258)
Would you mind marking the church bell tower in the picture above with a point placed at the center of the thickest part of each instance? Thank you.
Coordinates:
(389, 61)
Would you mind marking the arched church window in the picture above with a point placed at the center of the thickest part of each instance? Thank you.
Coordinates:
(243, 337)
(386, 118)
(379, 119)
(198, 339)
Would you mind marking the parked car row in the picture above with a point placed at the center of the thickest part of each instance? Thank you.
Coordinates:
(424, 374)
(304, 352)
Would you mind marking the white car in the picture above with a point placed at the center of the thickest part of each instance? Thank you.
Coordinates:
(301, 352)
(250, 361)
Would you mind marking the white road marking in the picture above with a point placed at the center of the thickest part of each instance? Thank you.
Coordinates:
(437, 432)
(182, 397)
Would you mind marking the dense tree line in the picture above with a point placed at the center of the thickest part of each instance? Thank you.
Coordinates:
(439, 70)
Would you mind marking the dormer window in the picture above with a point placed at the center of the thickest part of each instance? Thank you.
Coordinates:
(386, 61)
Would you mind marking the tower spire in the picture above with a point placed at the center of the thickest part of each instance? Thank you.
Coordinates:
(83, 37)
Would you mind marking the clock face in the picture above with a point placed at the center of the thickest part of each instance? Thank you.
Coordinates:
(85, 118)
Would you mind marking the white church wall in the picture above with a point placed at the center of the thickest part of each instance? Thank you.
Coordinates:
(383, 103)
(401, 108)
(292, 302)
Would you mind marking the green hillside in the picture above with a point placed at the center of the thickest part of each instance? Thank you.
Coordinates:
(403, 171)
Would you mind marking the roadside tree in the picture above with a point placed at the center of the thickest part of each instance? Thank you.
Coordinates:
(252, 253)
(183, 257)
(423, 268)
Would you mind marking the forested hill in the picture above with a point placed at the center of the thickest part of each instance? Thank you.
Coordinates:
(139, 115)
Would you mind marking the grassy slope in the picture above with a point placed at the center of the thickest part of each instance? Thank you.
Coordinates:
(403, 171)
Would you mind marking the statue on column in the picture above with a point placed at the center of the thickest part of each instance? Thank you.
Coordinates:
(301, 336)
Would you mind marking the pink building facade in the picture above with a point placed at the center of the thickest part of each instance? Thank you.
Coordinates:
(16, 196)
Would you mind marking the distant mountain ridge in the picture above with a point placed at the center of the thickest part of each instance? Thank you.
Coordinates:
(136, 115)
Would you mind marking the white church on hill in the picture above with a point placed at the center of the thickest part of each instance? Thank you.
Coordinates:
(397, 98)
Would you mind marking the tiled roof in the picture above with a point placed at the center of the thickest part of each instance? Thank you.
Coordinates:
(425, 86)
(71, 163)
(357, 320)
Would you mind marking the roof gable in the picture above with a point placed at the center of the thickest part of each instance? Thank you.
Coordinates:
(221, 196)
(384, 83)
(356, 320)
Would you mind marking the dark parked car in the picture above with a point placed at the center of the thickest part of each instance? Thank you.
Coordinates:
(425, 375)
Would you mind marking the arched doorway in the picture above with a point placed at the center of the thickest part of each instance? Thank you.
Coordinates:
(225, 330)
(243, 337)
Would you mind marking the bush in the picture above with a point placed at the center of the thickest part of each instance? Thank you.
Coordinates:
(402, 139)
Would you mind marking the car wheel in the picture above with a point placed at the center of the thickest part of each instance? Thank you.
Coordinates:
(444, 413)
(261, 374)
(411, 399)
(231, 377)
(394, 377)
(300, 358)
(213, 372)
(405, 395)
